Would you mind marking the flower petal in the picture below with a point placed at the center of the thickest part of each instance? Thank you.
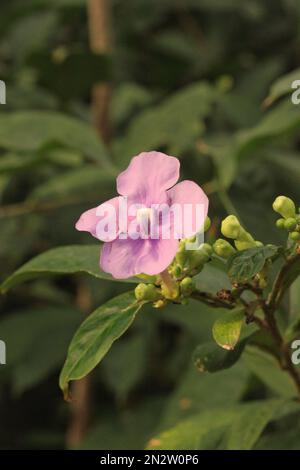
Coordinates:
(126, 258)
(192, 203)
(89, 220)
(148, 176)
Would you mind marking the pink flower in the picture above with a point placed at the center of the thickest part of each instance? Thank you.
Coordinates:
(147, 184)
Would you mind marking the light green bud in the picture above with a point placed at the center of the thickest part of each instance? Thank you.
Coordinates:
(206, 248)
(294, 236)
(199, 257)
(284, 206)
(187, 286)
(244, 245)
(207, 224)
(280, 223)
(147, 292)
(223, 248)
(231, 227)
(290, 224)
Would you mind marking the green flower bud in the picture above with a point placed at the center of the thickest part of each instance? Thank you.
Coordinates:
(187, 286)
(223, 248)
(206, 248)
(147, 292)
(199, 257)
(207, 224)
(280, 223)
(284, 206)
(231, 227)
(160, 303)
(294, 236)
(244, 245)
(290, 224)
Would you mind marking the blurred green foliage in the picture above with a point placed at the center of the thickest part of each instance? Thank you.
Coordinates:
(205, 80)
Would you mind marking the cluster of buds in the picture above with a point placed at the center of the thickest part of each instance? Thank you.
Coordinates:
(177, 284)
(290, 220)
(232, 228)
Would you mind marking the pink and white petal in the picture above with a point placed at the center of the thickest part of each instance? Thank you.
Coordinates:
(160, 254)
(148, 176)
(126, 258)
(101, 221)
(190, 205)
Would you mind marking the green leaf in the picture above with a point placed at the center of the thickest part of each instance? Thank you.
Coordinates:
(30, 130)
(227, 329)
(188, 434)
(212, 278)
(267, 369)
(176, 123)
(250, 423)
(82, 181)
(209, 357)
(125, 365)
(282, 86)
(95, 336)
(244, 265)
(63, 260)
(237, 427)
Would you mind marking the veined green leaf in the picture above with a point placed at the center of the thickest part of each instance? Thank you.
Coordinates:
(63, 260)
(243, 265)
(95, 336)
(30, 130)
(227, 329)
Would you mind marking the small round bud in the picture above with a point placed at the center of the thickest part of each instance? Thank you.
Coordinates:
(201, 256)
(295, 236)
(280, 223)
(231, 227)
(244, 245)
(290, 224)
(147, 292)
(206, 248)
(159, 303)
(284, 206)
(223, 248)
(187, 286)
(207, 224)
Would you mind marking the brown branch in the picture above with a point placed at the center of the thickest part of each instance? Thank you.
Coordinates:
(211, 300)
(81, 389)
(100, 33)
(278, 287)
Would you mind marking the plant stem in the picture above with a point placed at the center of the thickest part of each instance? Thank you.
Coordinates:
(211, 300)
